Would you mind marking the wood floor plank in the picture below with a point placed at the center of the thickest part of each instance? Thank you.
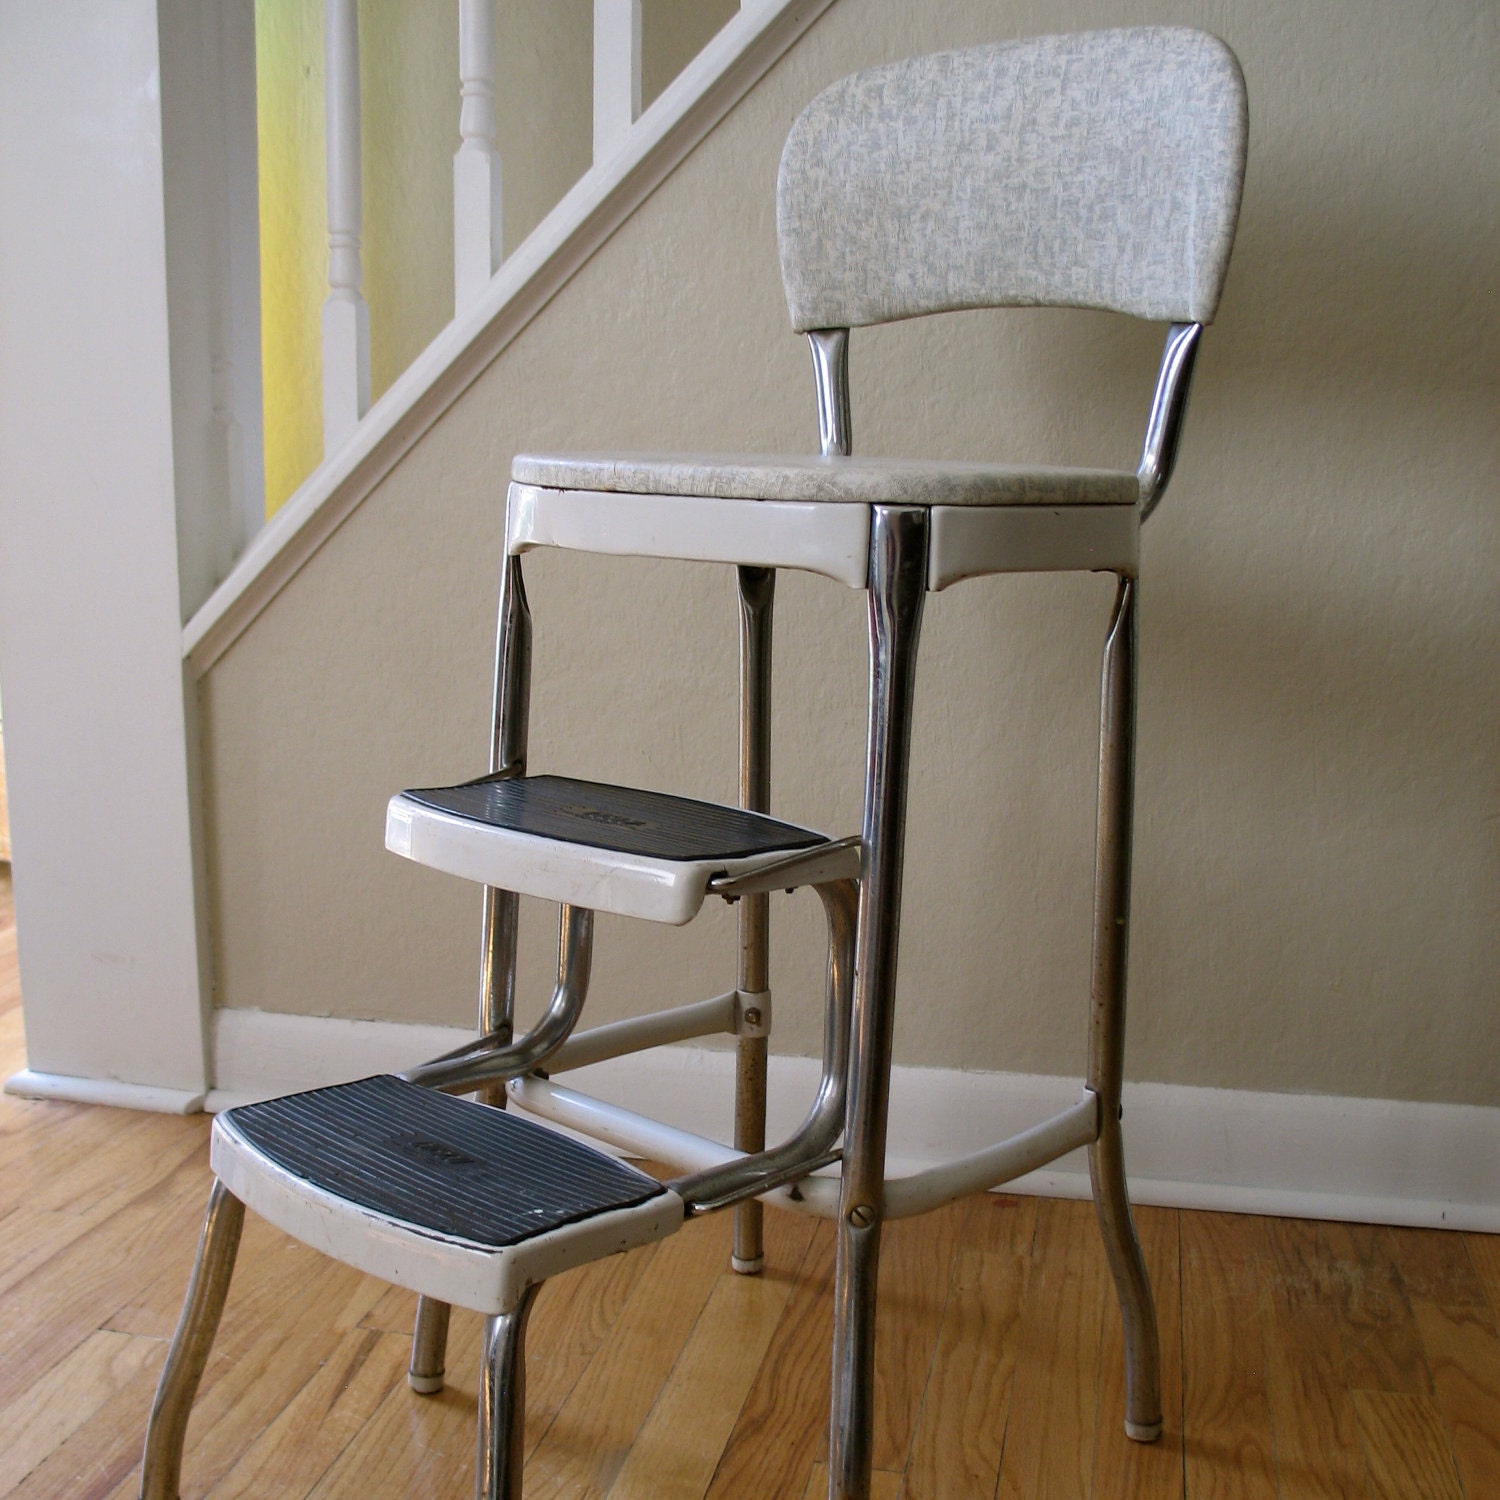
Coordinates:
(122, 1152)
(104, 1452)
(585, 1447)
(915, 1262)
(1126, 1470)
(289, 1309)
(313, 1429)
(1463, 1353)
(574, 1315)
(1228, 1443)
(1049, 1437)
(416, 1445)
(49, 1412)
(679, 1447)
(1318, 1453)
(62, 1299)
(39, 1237)
(269, 1263)
(1406, 1448)
(783, 1426)
(1435, 1267)
(1484, 1256)
(884, 1484)
(1382, 1349)
(960, 1434)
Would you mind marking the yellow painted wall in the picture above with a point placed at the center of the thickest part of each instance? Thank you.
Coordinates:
(409, 128)
(293, 254)
(409, 131)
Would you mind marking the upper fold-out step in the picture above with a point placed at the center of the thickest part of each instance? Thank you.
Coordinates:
(609, 848)
(865, 481)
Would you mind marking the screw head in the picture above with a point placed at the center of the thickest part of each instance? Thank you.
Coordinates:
(861, 1216)
(752, 1017)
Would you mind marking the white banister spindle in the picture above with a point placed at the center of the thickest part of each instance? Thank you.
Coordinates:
(617, 73)
(346, 318)
(476, 164)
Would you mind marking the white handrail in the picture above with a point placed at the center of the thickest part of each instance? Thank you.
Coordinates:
(477, 241)
(686, 110)
(346, 315)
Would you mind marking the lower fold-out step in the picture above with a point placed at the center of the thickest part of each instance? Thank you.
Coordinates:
(446, 1197)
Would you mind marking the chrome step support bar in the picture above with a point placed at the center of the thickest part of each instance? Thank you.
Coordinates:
(835, 860)
(812, 1144)
(757, 597)
(489, 1060)
(897, 593)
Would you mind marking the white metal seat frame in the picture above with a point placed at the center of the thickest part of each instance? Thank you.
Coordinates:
(1099, 170)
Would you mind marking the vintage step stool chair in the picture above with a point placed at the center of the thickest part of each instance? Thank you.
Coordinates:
(1099, 170)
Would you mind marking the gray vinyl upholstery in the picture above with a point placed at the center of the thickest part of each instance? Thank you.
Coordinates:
(1099, 169)
(867, 481)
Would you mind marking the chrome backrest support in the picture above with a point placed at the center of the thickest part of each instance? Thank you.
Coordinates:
(1174, 381)
(830, 357)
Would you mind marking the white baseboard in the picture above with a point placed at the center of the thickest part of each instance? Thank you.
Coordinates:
(1302, 1155)
(32, 1085)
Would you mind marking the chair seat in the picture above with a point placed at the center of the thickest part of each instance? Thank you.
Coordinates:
(609, 848)
(864, 481)
(442, 1196)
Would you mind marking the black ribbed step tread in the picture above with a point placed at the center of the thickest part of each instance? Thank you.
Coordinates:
(439, 1164)
(624, 820)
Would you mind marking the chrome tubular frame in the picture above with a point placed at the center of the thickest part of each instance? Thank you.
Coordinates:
(161, 1465)
(429, 1347)
(1174, 382)
(501, 1447)
(1107, 1023)
(510, 717)
(489, 1060)
(830, 357)
(757, 594)
(512, 713)
(812, 1145)
(898, 588)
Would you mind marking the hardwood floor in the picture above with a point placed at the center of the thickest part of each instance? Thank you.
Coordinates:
(1301, 1360)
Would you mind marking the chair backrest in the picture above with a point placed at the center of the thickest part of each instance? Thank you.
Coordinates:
(1101, 169)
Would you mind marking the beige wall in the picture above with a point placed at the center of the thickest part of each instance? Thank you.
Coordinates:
(1319, 826)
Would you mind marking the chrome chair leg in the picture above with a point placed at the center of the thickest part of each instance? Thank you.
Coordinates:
(161, 1465)
(1107, 1029)
(502, 1404)
(898, 584)
(510, 718)
(429, 1347)
(757, 593)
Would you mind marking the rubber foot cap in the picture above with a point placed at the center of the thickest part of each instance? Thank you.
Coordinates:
(425, 1385)
(1142, 1432)
(748, 1267)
